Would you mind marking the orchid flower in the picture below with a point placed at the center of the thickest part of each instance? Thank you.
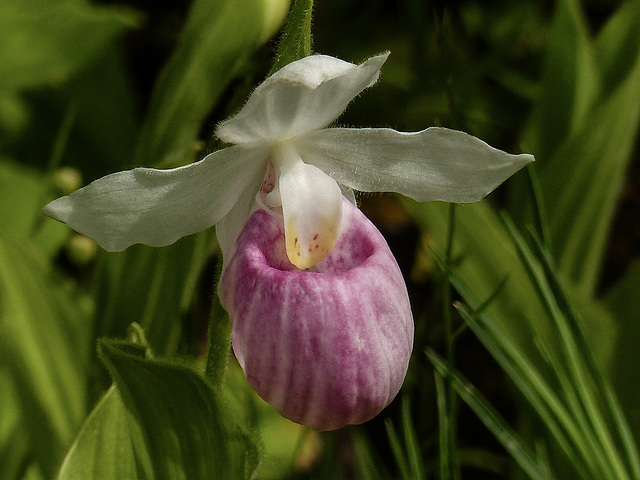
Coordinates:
(320, 314)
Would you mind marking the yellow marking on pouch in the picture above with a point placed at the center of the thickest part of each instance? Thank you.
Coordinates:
(306, 252)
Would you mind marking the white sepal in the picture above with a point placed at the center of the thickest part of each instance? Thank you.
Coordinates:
(301, 97)
(157, 207)
(433, 164)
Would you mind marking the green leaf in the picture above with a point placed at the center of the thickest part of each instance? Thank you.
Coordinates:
(570, 82)
(75, 124)
(485, 258)
(483, 255)
(296, 40)
(14, 443)
(407, 452)
(368, 466)
(583, 130)
(508, 437)
(582, 183)
(152, 287)
(218, 37)
(45, 346)
(23, 192)
(104, 448)
(187, 430)
(596, 409)
(45, 41)
(617, 47)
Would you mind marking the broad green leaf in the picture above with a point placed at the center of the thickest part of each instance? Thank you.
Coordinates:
(617, 46)
(88, 122)
(188, 431)
(45, 347)
(296, 40)
(23, 192)
(47, 41)
(484, 256)
(570, 82)
(218, 37)
(485, 259)
(14, 443)
(583, 128)
(582, 182)
(152, 287)
(104, 448)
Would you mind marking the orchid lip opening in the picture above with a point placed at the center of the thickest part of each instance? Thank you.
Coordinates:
(325, 348)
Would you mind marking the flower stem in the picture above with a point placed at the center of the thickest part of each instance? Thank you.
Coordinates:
(450, 456)
(219, 342)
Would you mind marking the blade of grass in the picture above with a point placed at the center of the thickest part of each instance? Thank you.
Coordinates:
(540, 218)
(597, 377)
(574, 353)
(555, 416)
(397, 450)
(509, 439)
(411, 442)
(443, 425)
(367, 466)
(521, 369)
(451, 405)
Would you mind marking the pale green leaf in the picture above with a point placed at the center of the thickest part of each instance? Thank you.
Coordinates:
(46, 41)
(218, 37)
(583, 129)
(152, 287)
(582, 183)
(14, 443)
(188, 430)
(570, 82)
(45, 346)
(104, 447)
(23, 191)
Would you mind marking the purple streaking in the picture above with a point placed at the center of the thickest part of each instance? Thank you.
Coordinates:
(328, 347)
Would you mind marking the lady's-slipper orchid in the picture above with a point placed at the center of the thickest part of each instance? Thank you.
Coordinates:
(283, 125)
(321, 321)
(326, 348)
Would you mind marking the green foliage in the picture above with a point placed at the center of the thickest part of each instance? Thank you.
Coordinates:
(296, 41)
(172, 402)
(44, 353)
(46, 42)
(155, 433)
(216, 40)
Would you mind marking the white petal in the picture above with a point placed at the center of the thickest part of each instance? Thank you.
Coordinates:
(311, 208)
(229, 226)
(301, 97)
(434, 164)
(157, 207)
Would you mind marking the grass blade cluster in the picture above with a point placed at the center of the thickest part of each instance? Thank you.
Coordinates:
(564, 384)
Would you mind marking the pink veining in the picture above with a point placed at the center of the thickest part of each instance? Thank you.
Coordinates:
(328, 347)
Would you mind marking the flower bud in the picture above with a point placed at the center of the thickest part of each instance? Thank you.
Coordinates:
(328, 347)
